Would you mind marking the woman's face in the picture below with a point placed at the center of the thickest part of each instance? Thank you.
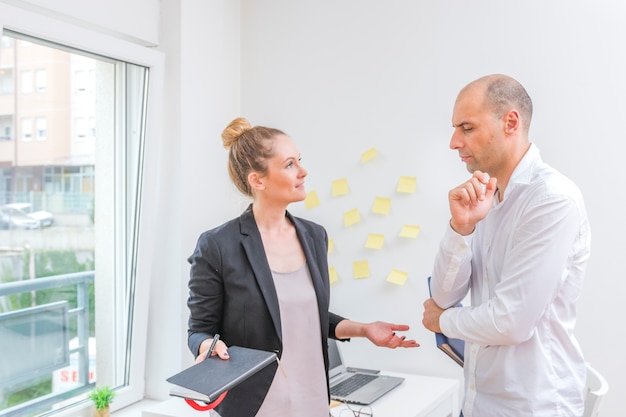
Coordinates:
(284, 180)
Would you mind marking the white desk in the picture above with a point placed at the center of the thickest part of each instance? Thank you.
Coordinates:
(417, 396)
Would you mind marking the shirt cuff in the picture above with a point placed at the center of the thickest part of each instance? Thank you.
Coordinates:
(454, 242)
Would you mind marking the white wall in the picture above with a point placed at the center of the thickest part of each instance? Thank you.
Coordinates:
(340, 77)
(201, 40)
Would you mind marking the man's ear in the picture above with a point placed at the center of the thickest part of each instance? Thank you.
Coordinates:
(256, 181)
(512, 121)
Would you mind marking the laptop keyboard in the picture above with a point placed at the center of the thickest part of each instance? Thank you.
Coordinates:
(348, 386)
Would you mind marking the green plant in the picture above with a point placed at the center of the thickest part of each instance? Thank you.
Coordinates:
(102, 397)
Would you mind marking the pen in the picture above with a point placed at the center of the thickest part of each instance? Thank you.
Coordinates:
(212, 347)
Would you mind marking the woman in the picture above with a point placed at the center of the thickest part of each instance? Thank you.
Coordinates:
(261, 281)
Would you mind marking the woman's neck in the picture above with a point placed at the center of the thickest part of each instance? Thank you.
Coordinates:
(270, 218)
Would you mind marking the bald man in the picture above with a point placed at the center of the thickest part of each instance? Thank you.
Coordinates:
(518, 242)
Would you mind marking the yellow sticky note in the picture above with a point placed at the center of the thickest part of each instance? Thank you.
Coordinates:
(382, 205)
(361, 269)
(331, 245)
(351, 217)
(374, 241)
(332, 274)
(368, 155)
(397, 277)
(340, 187)
(409, 231)
(407, 184)
(311, 200)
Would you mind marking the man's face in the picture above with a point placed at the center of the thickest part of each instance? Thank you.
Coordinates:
(477, 132)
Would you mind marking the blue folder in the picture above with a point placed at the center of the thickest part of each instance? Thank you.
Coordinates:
(454, 348)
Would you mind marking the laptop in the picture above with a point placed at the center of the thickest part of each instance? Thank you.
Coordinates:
(356, 386)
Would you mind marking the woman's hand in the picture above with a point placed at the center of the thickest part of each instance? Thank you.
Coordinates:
(379, 333)
(220, 350)
(384, 334)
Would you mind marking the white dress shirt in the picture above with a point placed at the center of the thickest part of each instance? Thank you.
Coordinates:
(524, 264)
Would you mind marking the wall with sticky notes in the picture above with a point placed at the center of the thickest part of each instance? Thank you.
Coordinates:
(366, 89)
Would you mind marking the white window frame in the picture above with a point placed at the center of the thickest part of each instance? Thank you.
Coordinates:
(69, 34)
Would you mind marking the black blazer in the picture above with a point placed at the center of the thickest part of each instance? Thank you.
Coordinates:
(231, 292)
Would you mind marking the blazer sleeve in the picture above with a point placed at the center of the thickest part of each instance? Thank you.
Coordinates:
(334, 320)
(206, 290)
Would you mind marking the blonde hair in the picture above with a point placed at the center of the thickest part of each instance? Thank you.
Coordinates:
(249, 148)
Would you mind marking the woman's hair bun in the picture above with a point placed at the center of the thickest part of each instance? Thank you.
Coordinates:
(234, 130)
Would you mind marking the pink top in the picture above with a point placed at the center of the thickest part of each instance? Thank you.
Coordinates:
(301, 389)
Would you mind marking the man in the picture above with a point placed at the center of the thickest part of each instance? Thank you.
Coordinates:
(519, 241)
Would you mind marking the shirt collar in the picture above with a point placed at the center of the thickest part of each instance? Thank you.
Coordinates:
(523, 172)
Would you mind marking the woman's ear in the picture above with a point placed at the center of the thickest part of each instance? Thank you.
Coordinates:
(256, 181)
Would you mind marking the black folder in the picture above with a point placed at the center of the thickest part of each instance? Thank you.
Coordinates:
(207, 380)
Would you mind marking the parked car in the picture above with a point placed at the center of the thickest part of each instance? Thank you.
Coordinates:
(21, 216)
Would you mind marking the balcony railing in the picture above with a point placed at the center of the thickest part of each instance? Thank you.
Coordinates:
(40, 340)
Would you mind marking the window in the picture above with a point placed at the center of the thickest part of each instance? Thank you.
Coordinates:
(6, 80)
(27, 129)
(40, 81)
(80, 81)
(40, 127)
(6, 127)
(99, 324)
(92, 127)
(27, 82)
(80, 126)
(7, 42)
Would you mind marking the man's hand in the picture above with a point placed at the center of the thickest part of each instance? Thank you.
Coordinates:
(471, 201)
(432, 312)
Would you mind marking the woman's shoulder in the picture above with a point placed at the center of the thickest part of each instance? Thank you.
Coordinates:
(225, 229)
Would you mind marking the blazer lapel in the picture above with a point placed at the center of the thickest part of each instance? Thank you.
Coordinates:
(313, 263)
(253, 246)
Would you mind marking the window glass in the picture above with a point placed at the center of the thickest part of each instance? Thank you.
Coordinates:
(41, 80)
(6, 81)
(66, 299)
(27, 129)
(40, 126)
(27, 82)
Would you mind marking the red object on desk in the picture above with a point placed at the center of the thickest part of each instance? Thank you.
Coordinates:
(208, 406)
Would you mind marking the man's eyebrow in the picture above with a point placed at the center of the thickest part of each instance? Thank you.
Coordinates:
(462, 124)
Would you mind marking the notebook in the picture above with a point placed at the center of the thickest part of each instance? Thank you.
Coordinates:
(354, 386)
(207, 380)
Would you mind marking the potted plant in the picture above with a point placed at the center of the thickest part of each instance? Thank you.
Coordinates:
(102, 397)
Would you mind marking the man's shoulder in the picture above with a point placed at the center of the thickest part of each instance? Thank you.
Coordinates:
(554, 183)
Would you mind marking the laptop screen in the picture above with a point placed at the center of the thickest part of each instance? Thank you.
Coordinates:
(335, 363)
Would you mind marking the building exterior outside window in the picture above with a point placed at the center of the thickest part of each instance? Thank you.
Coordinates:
(51, 208)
